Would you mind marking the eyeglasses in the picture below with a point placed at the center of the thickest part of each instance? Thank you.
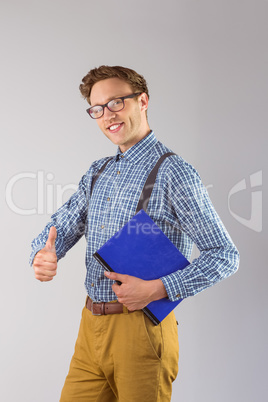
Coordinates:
(114, 105)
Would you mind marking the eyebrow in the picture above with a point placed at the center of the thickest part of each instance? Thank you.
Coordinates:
(109, 99)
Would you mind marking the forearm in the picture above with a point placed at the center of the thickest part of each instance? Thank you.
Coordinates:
(156, 290)
(198, 219)
(69, 222)
(210, 267)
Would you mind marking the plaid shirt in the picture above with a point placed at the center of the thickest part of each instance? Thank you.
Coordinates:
(179, 205)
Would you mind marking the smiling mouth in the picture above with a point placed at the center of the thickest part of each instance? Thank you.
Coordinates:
(115, 127)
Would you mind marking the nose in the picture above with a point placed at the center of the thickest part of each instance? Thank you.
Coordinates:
(107, 114)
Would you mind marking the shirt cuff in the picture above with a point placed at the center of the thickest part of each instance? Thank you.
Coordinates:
(174, 287)
(34, 252)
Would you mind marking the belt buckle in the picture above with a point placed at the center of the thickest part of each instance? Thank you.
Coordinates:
(92, 304)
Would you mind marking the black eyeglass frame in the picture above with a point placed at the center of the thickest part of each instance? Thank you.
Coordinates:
(122, 98)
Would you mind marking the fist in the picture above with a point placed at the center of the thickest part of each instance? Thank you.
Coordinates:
(45, 261)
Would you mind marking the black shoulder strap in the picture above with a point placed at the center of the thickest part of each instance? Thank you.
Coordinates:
(95, 178)
(149, 184)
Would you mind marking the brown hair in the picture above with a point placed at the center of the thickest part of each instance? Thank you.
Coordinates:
(135, 80)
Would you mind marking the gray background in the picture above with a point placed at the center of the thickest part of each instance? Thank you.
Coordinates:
(206, 65)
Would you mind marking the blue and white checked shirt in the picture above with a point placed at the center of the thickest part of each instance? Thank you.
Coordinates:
(179, 205)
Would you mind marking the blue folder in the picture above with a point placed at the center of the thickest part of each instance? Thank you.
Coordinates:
(141, 249)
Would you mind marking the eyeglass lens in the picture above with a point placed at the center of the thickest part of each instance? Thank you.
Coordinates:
(115, 105)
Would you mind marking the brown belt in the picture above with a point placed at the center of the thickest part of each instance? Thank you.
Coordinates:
(102, 308)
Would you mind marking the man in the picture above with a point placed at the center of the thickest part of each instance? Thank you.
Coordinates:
(120, 355)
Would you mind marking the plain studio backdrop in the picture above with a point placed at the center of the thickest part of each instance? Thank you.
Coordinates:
(206, 65)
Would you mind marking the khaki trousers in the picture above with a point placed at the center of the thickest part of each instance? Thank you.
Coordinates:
(124, 358)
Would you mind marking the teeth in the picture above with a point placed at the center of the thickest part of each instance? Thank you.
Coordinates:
(114, 127)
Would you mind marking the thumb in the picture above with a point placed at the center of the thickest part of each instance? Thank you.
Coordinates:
(116, 277)
(50, 244)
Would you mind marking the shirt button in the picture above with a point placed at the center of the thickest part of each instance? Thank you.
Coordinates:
(178, 296)
(92, 284)
(108, 199)
(122, 156)
(118, 172)
(102, 226)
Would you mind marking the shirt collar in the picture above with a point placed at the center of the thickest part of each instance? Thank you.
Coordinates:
(139, 150)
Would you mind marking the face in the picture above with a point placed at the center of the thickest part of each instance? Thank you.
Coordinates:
(128, 126)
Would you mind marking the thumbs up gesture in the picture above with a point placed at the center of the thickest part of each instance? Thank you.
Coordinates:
(45, 261)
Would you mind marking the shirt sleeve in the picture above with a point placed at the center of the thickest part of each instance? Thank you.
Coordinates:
(197, 217)
(69, 220)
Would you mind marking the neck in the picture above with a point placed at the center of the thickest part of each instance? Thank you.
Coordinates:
(144, 133)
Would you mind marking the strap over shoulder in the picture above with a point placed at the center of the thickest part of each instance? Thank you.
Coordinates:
(149, 184)
(95, 178)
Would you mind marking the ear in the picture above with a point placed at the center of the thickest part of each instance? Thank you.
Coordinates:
(143, 101)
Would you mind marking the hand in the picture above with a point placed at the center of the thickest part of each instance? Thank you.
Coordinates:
(45, 261)
(136, 293)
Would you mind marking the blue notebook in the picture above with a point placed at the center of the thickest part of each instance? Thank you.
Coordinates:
(141, 249)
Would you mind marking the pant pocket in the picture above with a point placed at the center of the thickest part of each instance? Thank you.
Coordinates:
(154, 335)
